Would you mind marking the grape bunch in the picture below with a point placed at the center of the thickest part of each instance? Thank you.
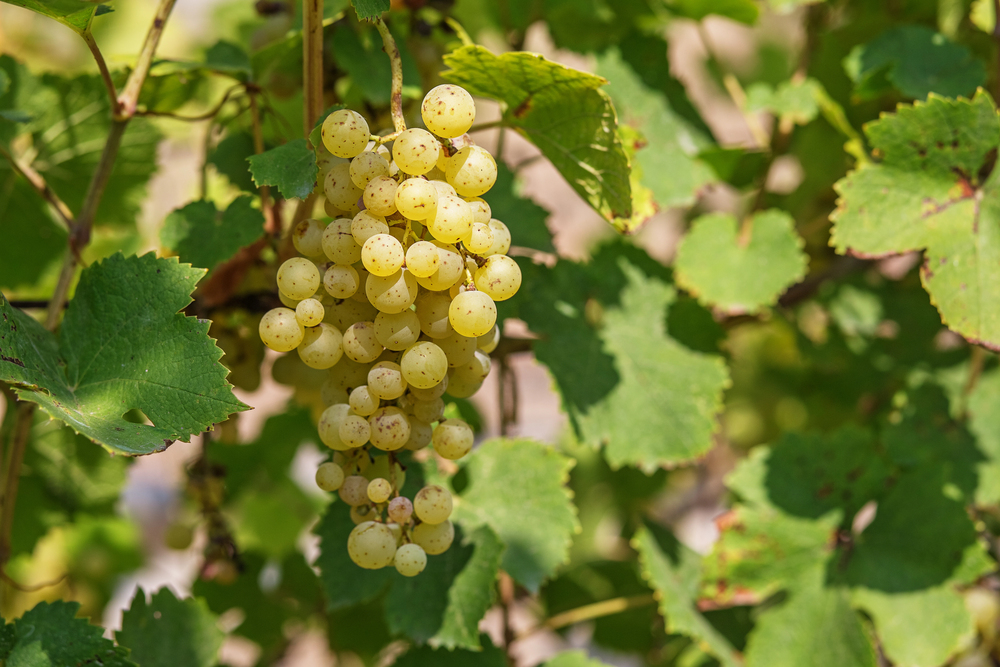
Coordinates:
(411, 267)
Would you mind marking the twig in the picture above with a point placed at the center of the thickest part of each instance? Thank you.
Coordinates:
(396, 63)
(258, 147)
(506, 586)
(38, 182)
(597, 610)
(735, 90)
(31, 588)
(212, 113)
(109, 84)
(459, 30)
(488, 126)
(312, 61)
(130, 96)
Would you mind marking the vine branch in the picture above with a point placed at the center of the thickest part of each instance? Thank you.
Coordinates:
(312, 61)
(109, 84)
(396, 63)
(38, 182)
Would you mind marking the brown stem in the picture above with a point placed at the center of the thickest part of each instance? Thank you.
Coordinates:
(508, 395)
(270, 225)
(80, 234)
(506, 585)
(212, 113)
(312, 61)
(88, 37)
(37, 181)
(396, 63)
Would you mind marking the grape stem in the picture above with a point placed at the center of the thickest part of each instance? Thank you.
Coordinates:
(88, 37)
(396, 63)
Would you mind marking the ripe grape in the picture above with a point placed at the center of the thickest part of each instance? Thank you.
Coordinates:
(307, 237)
(354, 431)
(415, 151)
(372, 545)
(424, 364)
(422, 259)
(479, 239)
(366, 166)
(298, 278)
(415, 198)
(472, 313)
(430, 393)
(321, 346)
(481, 211)
(452, 439)
(390, 428)
(501, 238)
(400, 509)
(432, 504)
(379, 490)
(410, 560)
(345, 133)
(341, 281)
(499, 277)
(450, 220)
(458, 348)
(340, 190)
(362, 513)
(434, 538)
(354, 490)
(280, 330)
(393, 293)
(397, 331)
(365, 225)
(385, 381)
(329, 426)
(329, 476)
(360, 343)
(420, 434)
(383, 255)
(362, 401)
(472, 171)
(309, 312)
(380, 196)
(428, 411)
(448, 111)
(489, 340)
(338, 243)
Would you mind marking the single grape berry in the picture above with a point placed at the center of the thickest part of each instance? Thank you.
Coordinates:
(329, 476)
(410, 560)
(371, 545)
(448, 111)
(345, 133)
(432, 504)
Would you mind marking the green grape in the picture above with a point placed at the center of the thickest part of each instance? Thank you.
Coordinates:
(382, 255)
(329, 476)
(379, 490)
(309, 312)
(501, 239)
(332, 211)
(472, 171)
(362, 513)
(338, 243)
(363, 401)
(489, 340)
(380, 196)
(450, 269)
(400, 510)
(360, 295)
(280, 330)
(458, 348)
(434, 538)
(360, 343)
(430, 393)
(452, 439)
(462, 386)
(381, 467)
(340, 190)
(366, 225)
(420, 434)
(424, 364)
(415, 198)
(448, 110)
(422, 259)
(366, 166)
(450, 220)
(385, 381)
(321, 346)
(476, 369)
(371, 545)
(481, 211)
(410, 560)
(331, 392)
(499, 277)
(342, 315)
(341, 281)
(393, 293)
(443, 188)
(288, 303)
(307, 237)
(390, 428)
(348, 374)
(428, 411)
(432, 312)
(415, 151)
(354, 431)
(298, 278)
(472, 313)
(354, 490)
(432, 504)
(479, 239)
(345, 133)
(397, 331)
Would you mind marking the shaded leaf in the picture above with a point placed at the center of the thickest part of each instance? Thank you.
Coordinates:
(574, 659)
(75, 14)
(166, 631)
(50, 635)
(230, 159)
(205, 237)
(425, 656)
(370, 9)
(229, 58)
(524, 218)
(290, 167)
(743, 11)
(790, 102)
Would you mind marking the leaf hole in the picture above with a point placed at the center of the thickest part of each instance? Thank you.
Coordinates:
(137, 416)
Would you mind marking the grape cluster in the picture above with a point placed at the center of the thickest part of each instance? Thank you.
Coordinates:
(411, 267)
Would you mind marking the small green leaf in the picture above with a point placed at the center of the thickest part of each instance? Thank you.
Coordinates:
(741, 270)
(791, 102)
(916, 61)
(122, 345)
(75, 14)
(166, 631)
(536, 93)
(574, 659)
(50, 635)
(230, 159)
(205, 237)
(935, 190)
(674, 577)
(229, 58)
(525, 218)
(291, 168)
(370, 9)
(743, 11)
(517, 487)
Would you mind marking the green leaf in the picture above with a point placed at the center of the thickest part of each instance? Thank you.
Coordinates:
(444, 604)
(674, 577)
(525, 218)
(625, 383)
(203, 236)
(166, 632)
(743, 11)
(425, 656)
(122, 345)
(574, 659)
(741, 270)
(230, 159)
(536, 93)
(370, 9)
(916, 61)
(791, 102)
(75, 14)
(935, 190)
(344, 583)
(666, 153)
(365, 61)
(49, 635)
(32, 239)
(509, 481)
(229, 58)
(291, 167)
(984, 423)
(271, 519)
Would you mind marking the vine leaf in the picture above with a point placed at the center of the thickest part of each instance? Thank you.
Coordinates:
(744, 11)
(370, 9)
(509, 481)
(203, 236)
(625, 382)
(674, 579)
(796, 102)
(75, 14)
(536, 94)
(756, 270)
(574, 659)
(50, 634)
(426, 656)
(290, 167)
(166, 631)
(122, 345)
(935, 189)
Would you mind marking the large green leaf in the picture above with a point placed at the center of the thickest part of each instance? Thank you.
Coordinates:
(525, 218)
(624, 381)
(741, 271)
(536, 95)
(203, 236)
(291, 167)
(122, 346)
(50, 635)
(517, 487)
(76, 14)
(166, 631)
(674, 577)
(934, 190)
